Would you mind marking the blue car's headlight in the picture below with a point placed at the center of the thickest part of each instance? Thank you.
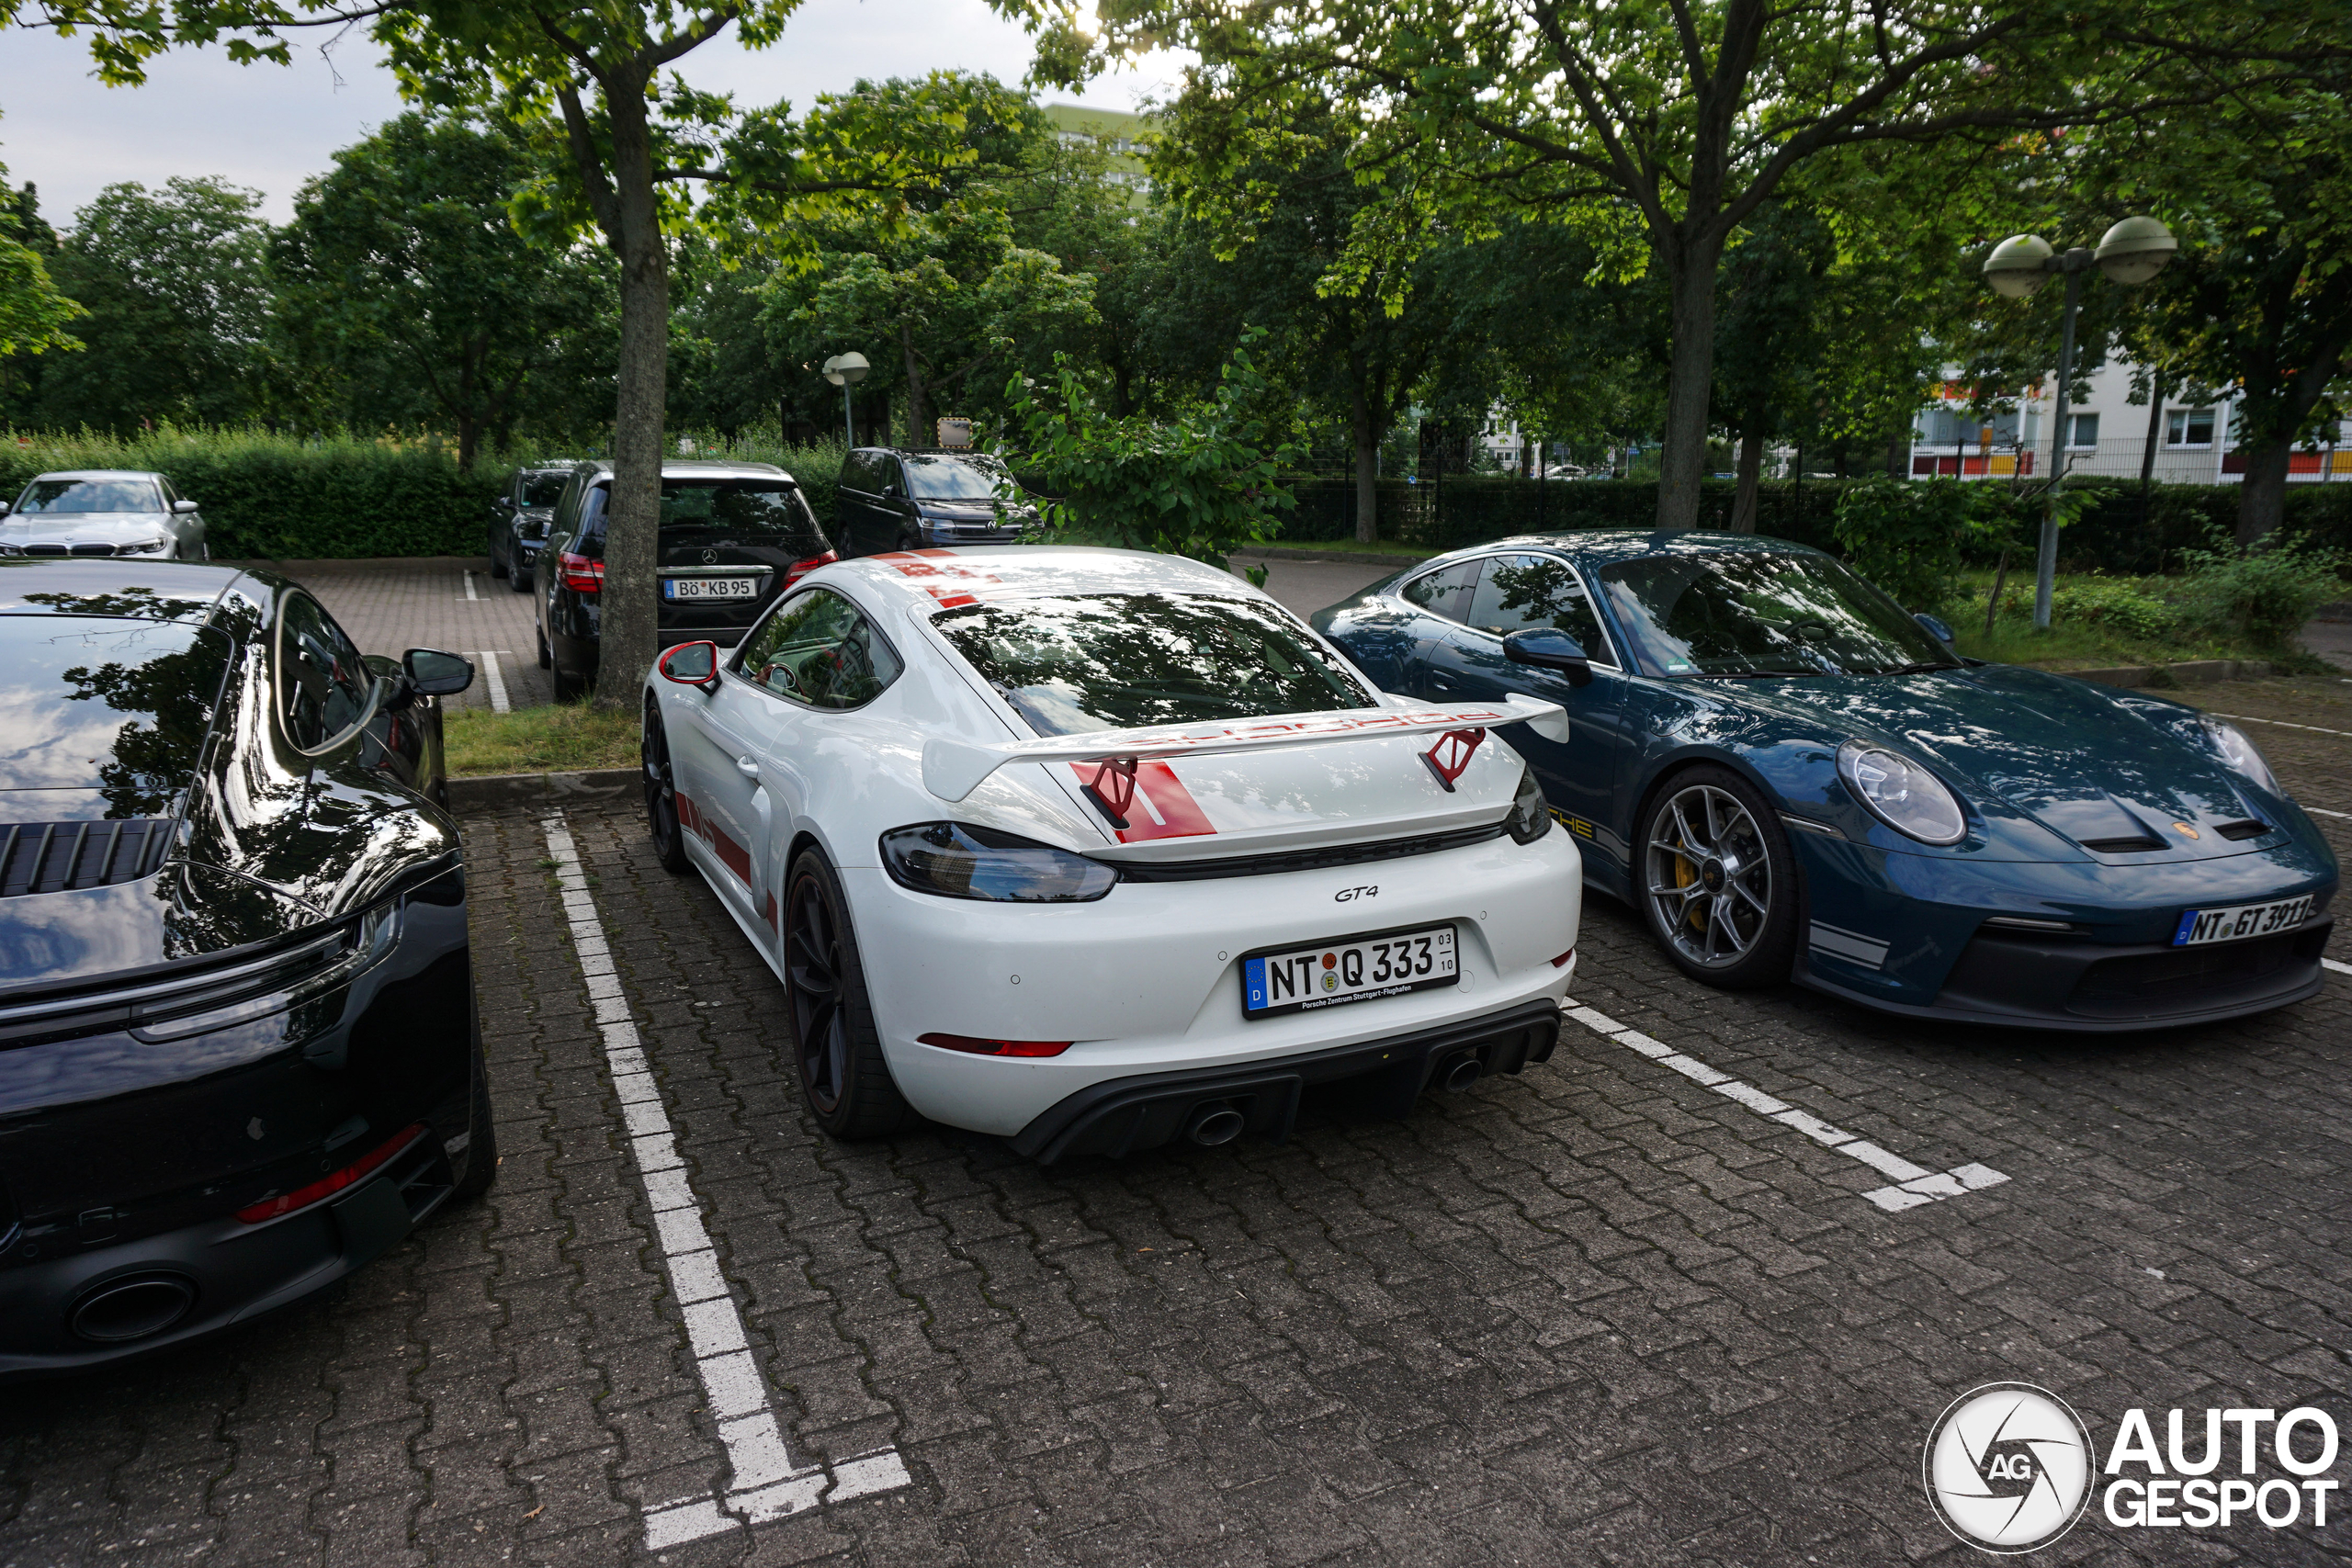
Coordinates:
(2238, 753)
(958, 860)
(1902, 794)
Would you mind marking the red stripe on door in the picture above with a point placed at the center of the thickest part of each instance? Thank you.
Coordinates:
(1163, 807)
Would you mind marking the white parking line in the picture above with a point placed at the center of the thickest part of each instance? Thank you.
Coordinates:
(1914, 1185)
(493, 680)
(2339, 968)
(764, 1483)
(2249, 718)
(2324, 811)
(470, 589)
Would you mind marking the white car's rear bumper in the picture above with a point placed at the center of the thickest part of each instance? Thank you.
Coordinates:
(1146, 981)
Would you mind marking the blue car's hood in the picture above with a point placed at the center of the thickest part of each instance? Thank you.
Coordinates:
(2090, 763)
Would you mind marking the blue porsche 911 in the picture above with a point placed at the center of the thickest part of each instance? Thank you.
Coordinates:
(1791, 778)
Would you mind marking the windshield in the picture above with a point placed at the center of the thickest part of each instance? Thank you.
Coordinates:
(934, 477)
(1761, 615)
(1119, 660)
(91, 495)
(543, 490)
(113, 706)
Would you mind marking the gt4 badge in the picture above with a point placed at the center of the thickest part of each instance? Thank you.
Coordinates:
(1345, 894)
(1451, 754)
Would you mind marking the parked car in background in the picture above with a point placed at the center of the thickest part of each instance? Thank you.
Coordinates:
(1791, 778)
(733, 535)
(519, 519)
(102, 511)
(1217, 864)
(238, 1049)
(889, 499)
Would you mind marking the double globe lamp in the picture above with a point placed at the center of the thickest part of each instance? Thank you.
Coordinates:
(2133, 252)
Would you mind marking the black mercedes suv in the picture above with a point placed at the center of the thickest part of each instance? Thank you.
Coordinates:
(889, 499)
(733, 535)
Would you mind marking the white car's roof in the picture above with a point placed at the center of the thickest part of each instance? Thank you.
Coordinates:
(100, 474)
(947, 579)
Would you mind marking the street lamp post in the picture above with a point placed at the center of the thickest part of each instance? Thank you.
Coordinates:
(2131, 253)
(846, 370)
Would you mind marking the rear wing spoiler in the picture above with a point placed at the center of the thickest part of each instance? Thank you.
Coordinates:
(954, 769)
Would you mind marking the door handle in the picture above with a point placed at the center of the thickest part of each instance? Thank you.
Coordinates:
(748, 766)
(1440, 683)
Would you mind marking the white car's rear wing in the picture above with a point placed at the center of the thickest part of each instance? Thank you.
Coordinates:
(954, 769)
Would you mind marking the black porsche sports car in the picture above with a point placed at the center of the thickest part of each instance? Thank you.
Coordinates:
(238, 1051)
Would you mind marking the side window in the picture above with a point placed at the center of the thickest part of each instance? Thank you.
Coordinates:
(592, 520)
(323, 684)
(1446, 591)
(857, 471)
(1518, 591)
(819, 649)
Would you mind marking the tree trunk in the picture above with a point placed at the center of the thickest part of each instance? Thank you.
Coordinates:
(469, 438)
(916, 407)
(1744, 505)
(2262, 500)
(1362, 426)
(629, 624)
(1692, 274)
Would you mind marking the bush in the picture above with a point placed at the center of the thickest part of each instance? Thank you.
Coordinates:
(2119, 604)
(1473, 508)
(2264, 595)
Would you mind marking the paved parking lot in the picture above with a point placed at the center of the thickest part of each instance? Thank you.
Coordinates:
(1615, 1310)
(451, 602)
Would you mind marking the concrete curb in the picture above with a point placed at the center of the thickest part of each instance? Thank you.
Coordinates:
(2193, 672)
(513, 792)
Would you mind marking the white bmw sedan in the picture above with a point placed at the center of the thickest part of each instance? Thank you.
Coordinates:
(1095, 850)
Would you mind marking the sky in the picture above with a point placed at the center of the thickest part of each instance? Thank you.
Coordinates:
(270, 128)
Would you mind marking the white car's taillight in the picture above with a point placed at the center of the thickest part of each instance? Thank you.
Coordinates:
(957, 860)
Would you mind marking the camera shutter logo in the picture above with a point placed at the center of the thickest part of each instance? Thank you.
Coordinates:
(2007, 1468)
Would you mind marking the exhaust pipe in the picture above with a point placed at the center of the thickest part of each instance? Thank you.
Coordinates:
(1462, 1074)
(1215, 1123)
(133, 1308)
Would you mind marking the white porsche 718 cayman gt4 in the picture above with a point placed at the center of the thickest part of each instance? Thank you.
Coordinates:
(1095, 850)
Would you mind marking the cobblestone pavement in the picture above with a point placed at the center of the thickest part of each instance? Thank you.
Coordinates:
(1601, 1313)
(449, 603)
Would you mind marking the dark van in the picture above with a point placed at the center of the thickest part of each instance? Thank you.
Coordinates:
(889, 499)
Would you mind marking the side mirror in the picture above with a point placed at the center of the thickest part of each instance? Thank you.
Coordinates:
(433, 673)
(183, 507)
(6, 507)
(1545, 648)
(1936, 628)
(691, 664)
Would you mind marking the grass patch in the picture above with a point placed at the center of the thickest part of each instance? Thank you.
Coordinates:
(2096, 623)
(565, 738)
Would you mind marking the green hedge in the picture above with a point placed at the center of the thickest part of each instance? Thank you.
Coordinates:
(2111, 537)
(290, 497)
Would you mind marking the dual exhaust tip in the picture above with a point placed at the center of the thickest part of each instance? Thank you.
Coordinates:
(1218, 1122)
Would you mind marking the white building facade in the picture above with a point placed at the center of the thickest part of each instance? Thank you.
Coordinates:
(2193, 441)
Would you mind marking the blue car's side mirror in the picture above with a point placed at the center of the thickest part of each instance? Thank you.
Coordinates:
(1545, 648)
(1936, 628)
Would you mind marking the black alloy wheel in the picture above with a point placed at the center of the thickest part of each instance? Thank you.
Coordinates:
(1717, 880)
(662, 793)
(843, 1076)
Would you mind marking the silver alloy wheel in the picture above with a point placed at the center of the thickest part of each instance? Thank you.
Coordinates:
(1709, 878)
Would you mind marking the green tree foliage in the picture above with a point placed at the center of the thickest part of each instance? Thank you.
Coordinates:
(176, 286)
(1203, 484)
(34, 316)
(401, 274)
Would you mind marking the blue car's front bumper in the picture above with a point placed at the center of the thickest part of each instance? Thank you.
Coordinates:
(1907, 934)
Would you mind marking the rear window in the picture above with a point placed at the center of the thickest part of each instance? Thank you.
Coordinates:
(719, 512)
(119, 707)
(1116, 661)
(933, 477)
(91, 495)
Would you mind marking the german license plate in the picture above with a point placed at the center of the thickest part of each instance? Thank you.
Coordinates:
(1355, 969)
(2199, 927)
(676, 588)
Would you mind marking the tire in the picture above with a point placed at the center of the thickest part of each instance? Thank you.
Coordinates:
(547, 655)
(497, 565)
(661, 793)
(909, 540)
(843, 1079)
(568, 687)
(481, 1150)
(1716, 881)
(520, 578)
